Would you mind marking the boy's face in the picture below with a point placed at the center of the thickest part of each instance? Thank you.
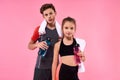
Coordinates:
(49, 15)
(68, 29)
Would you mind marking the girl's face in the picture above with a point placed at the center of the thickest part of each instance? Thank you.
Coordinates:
(68, 29)
(49, 15)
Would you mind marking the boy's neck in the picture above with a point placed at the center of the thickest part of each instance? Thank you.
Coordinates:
(51, 26)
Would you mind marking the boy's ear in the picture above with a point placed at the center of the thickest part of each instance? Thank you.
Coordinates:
(43, 15)
(55, 13)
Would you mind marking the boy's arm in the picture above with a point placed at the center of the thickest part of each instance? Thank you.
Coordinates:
(33, 42)
(32, 45)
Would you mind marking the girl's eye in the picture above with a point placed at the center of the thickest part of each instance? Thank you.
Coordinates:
(71, 28)
(66, 27)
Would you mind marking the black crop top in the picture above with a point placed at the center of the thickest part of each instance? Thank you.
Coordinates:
(66, 50)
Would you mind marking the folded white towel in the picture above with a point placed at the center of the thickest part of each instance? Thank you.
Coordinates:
(82, 44)
(44, 24)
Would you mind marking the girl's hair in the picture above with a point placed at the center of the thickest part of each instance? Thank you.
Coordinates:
(68, 19)
(46, 6)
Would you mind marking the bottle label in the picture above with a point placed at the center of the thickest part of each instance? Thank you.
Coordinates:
(76, 50)
(43, 52)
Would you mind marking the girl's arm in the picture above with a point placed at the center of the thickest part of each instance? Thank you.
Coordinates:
(55, 60)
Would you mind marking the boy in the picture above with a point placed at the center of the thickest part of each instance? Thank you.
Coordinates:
(48, 28)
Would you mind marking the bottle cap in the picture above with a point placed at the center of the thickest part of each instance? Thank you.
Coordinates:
(77, 45)
(48, 38)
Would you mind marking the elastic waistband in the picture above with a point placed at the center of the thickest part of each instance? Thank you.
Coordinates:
(69, 65)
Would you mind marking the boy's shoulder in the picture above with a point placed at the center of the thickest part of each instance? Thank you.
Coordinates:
(37, 27)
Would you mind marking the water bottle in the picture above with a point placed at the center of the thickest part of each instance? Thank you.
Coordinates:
(43, 52)
(76, 50)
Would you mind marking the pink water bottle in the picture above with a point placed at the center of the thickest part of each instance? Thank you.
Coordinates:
(76, 50)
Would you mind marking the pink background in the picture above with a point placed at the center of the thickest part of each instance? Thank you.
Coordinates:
(98, 22)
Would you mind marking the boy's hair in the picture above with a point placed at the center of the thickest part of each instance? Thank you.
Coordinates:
(68, 19)
(46, 6)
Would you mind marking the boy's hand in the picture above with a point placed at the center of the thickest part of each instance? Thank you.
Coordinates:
(42, 45)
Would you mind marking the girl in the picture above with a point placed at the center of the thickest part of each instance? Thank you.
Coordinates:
(69, 67)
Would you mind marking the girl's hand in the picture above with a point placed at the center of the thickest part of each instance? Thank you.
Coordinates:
(82, 56)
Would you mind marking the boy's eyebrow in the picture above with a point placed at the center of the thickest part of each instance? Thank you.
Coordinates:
(46, 14)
